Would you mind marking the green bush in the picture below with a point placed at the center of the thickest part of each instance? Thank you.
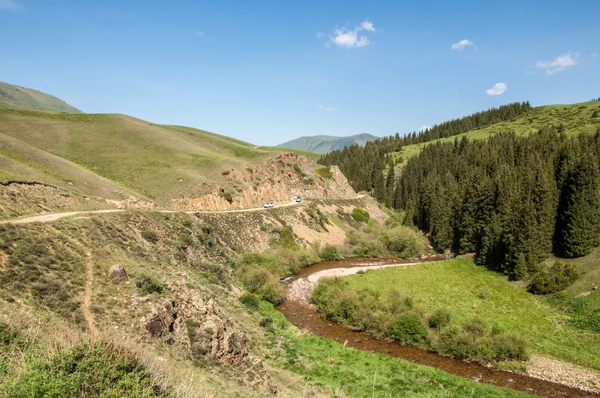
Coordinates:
(148, 284)
(149, 236)
(475, 327)
(250, 300)
(330, 253)
(504, 347)
(264, 283)
(554, 279)
(439, 319)
(335, 300)
(286, 239)
(309, 181)
(324, 172)
(407, 328)
(458, 345)
(85, 371)
(403, 242)
(360, 215)
(227, 196)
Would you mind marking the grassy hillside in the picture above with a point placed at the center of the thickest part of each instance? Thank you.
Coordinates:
(113, 155)
(576, 118)
(326, 143)
(12, 96)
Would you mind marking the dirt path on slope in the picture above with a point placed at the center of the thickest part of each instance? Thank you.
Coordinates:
(89, 284)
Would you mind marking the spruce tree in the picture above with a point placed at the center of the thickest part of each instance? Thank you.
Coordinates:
(389, 185)
(581, 218)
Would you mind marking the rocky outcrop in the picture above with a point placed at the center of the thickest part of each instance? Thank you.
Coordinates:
(195, 322)
(276, 179)
(117, 274)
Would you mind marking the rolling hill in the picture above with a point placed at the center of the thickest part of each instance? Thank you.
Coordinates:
(326, 143)
(575, 118)
(116, 157)
(12, 96)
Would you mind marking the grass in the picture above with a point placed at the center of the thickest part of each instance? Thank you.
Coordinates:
(576, 118)
(342, 371)
(324, 172)
(24, 98)
(101, 154)
(468, 291)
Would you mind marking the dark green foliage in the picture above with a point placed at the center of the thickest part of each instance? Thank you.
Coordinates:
(439, 319)
(286, 239)
(324, 172)
(227, 196)
(580, 219)
(504, 347)
(330, 253)
(85, 371)
(364, 165)
(148, 284)
(360, 215)
(595, 115)
(250, 300)
(408, 328)
(509, 199)
(150, 236)
(335, 300)
(554, 279)
(402, 242)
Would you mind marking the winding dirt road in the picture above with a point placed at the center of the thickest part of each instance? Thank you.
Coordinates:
(55, 216)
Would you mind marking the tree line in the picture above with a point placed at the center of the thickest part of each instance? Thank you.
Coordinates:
(510, 199)
(364, 166)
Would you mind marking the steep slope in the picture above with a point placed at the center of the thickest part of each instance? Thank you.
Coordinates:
(575, 118)
(326, 143)
(12, 96)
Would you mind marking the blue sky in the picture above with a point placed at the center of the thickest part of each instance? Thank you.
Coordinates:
(270, 71)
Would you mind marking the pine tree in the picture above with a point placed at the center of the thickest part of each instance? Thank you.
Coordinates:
(581, 218)
(389, 185)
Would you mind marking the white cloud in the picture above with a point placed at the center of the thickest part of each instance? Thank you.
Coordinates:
(10, 5)
(350, 38)
(424, 127)
(367, 25)
(497, 89)
(328, 108)
(462, 44)
(319, 35)
(559, 64)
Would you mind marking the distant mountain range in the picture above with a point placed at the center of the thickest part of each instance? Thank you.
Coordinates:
(17, 97)
(326, 143)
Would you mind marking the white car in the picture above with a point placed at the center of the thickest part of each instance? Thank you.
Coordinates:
(298, 198)
(268, 205)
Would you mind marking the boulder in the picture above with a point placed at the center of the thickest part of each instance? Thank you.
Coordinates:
(117, 274)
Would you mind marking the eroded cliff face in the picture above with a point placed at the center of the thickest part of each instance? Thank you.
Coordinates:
(190, 320)
(274, 180)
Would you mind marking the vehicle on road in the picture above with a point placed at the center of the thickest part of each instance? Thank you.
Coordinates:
(268, 204)
(298, 198)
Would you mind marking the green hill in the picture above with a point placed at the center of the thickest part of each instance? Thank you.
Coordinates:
(113, 156)
(12, 96)
(576, 118)
(326, 143)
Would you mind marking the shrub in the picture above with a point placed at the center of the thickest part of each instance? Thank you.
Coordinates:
(554, 279)
(330, 253)
(87, 371)
(475, 327)
(439, 319)
(324, 172)
(250, 300)
(309, 181)
(458, 345)
(286, 239)
(148, 284)
(360, 215)
(149, 236)
(403, 242)
(226, 172)
(227, 196)
(264, 283)
(504, 347)
(407, 328)
(335, 300)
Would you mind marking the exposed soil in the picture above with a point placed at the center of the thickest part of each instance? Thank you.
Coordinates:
(302, 314)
